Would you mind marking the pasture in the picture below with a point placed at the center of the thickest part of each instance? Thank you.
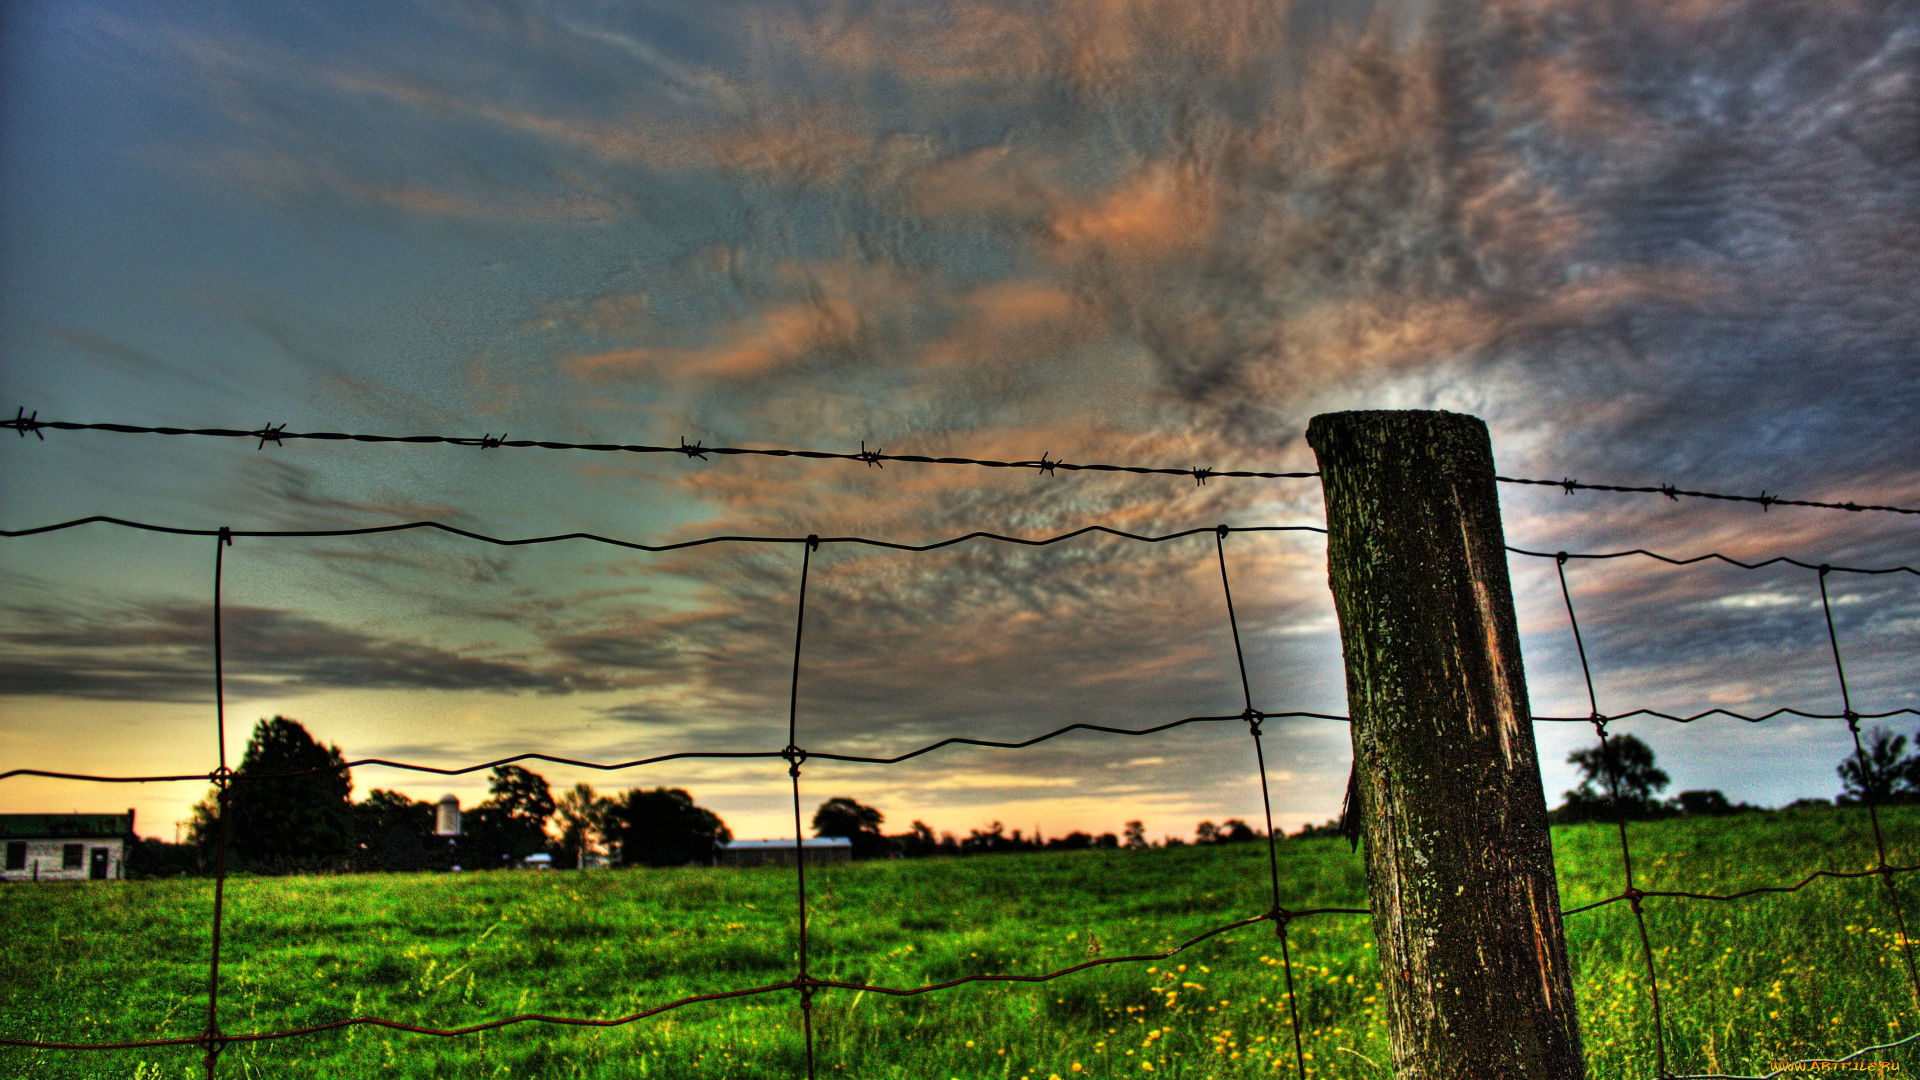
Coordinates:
(1744, 984)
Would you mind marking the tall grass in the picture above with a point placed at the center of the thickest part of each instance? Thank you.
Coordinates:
(1744, 984)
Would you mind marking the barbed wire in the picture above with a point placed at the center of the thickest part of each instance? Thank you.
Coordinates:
(804, 984)
(25, 423)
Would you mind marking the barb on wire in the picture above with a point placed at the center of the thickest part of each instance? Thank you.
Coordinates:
(24, 423)
(1762, 500)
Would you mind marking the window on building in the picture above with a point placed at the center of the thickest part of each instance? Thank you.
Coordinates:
(16, 854)
(72, 855)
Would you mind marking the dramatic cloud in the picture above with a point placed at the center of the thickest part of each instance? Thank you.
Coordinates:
(1648, 242)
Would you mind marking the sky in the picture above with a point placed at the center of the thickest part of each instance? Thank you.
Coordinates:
(1646, 242)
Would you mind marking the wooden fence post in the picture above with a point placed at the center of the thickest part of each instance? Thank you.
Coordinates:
(1466, 911)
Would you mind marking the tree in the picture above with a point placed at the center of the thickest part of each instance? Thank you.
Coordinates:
(1136, 834)
(1707, 803)
(1623, 770)
(860, 824)
(393, 832)
(1235, 831)
(281, 822)
(511, 824)
(1880, 771)
(919, 842)
(663, 827)
(584, 819)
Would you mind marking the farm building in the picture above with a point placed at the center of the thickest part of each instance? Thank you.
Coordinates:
(65, 847)
(780, 852)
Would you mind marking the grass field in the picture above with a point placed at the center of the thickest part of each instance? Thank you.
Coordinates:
(1744, 984)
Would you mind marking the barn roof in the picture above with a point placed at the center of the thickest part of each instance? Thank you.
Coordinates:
(55, 826)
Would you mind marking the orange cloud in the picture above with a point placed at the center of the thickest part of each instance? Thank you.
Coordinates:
(1159, 210)
(752, 346)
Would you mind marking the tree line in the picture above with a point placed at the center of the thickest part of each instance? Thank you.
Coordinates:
(278, 823)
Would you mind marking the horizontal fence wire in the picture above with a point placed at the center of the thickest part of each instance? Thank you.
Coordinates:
(1887, 872)
(25, 423)
(214, 1038)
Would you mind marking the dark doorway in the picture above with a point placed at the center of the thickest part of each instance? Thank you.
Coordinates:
(97, 866)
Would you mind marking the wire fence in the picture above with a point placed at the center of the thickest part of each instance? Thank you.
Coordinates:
(214, 1037)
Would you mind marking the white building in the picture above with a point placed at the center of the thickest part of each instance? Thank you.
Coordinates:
(65, 847)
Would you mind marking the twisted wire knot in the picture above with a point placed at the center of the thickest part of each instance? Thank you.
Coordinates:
(24, 422)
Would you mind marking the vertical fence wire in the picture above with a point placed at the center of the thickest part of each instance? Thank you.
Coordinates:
(1632, 892)
(223, 777)
(802, 981)
(1873, 811)
(1280, 915)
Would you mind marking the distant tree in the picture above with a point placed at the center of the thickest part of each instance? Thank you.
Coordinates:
(1707, 804)
(277, 822)
(1073, 841)
(1206, 833)
(1235, 831)
(393, 832)
(918, 842)
(150, 858)
(860, 824)
(1106, 841)
(1625, 771)
(1136, 834)
(1881, 771)
(663, 827)
(584, 819)
(1320, 832)
(511, 824)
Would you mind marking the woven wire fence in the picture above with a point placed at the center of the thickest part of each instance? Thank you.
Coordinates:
(214, 1038)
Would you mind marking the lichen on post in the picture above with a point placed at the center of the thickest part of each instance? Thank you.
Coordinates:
(1459, 859)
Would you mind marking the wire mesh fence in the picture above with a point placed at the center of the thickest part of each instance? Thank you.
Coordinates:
(804, 985)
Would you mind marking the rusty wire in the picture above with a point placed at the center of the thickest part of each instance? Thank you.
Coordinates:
(214, 1039)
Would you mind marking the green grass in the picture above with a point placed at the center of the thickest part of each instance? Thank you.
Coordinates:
(1744, 984)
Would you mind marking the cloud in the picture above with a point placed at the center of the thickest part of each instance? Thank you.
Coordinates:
(163, 652)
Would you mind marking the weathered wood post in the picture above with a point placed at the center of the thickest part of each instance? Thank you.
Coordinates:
(1459, 861)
